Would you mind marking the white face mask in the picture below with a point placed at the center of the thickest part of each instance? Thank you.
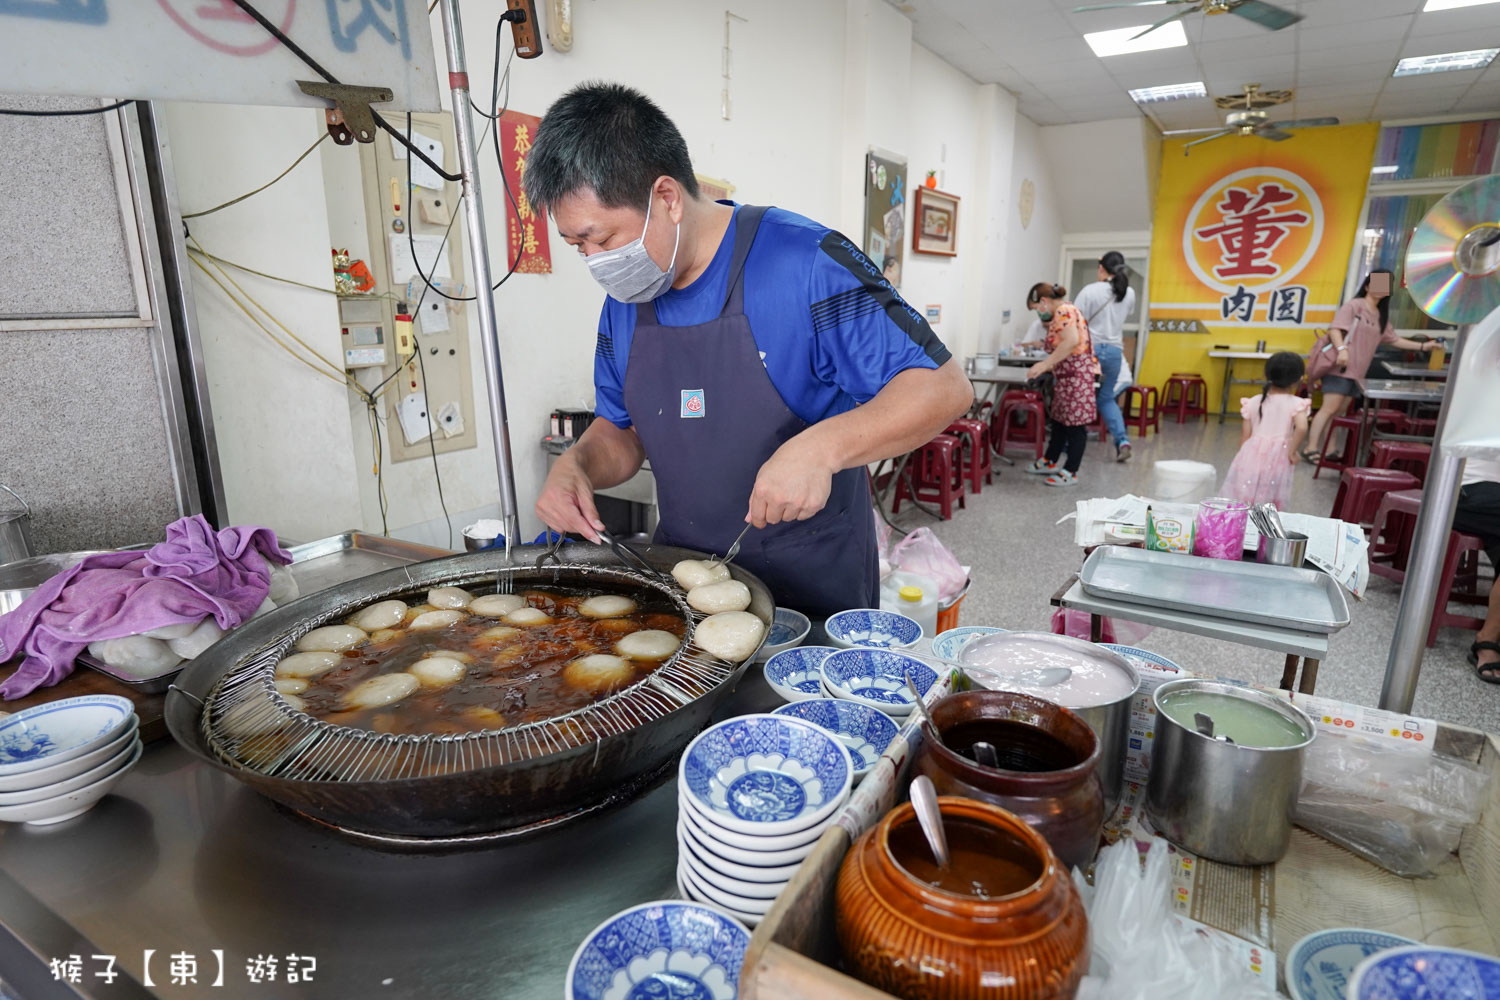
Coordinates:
(628, 273)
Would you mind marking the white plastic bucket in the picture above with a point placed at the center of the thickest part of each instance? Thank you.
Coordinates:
(1179, 479)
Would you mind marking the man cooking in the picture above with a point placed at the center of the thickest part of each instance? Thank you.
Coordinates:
(758, 359)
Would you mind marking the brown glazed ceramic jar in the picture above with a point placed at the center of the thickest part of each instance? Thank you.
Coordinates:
(1019, 932)
(1048, 772)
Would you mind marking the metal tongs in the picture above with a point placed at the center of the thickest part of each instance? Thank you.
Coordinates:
(1267, 520)
(734, 549)
(551, 554)
(632, 558)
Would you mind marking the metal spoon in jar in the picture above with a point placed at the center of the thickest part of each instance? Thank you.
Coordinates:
(930, 817)
(985, 754)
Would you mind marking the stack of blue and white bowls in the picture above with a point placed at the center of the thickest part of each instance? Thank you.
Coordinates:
(59, 759)
(754, 795)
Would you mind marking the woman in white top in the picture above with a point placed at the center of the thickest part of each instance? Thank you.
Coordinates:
(1105, 305)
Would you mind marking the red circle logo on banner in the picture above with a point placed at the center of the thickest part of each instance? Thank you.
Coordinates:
(222, 26)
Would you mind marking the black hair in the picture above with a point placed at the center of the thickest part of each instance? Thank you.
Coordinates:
(609, 139)
(1044, 289)
(1284, 369)
(1385, 304)
(1119, 274)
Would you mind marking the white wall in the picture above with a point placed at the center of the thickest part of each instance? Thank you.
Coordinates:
(285, 444)
(1103, 174)
(806, 104)
(1031, 252)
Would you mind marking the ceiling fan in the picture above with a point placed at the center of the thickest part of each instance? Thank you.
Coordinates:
(1266, 15)
(1248, 116)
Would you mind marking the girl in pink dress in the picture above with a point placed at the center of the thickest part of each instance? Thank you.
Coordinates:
(1273, 425)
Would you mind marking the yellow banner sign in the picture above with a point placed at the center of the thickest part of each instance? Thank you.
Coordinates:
(1253, 235)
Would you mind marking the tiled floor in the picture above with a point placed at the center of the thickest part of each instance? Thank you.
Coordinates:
(1020, 555)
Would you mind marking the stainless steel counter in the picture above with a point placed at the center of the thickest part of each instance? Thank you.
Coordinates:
(181, 858)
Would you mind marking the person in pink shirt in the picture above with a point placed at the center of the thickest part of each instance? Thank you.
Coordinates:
(1360, 326)
(1274, 424)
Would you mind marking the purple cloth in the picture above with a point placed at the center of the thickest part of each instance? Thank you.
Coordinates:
(195, 573)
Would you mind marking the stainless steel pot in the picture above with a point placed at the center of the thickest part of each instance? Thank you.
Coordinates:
(15, 531)
(1224, 801)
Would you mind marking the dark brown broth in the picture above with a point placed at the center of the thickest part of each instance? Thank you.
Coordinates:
(984, 862)
(1018, 746)
(519, 678)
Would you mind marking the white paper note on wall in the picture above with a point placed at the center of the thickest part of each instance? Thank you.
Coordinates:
(432, 251)
(421, 174)
(434, 315)
(416, 425)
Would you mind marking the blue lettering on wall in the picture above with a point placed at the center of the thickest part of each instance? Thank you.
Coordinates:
(348, 19)
(77, 11)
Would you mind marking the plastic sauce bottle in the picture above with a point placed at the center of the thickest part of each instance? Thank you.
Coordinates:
(919, 605)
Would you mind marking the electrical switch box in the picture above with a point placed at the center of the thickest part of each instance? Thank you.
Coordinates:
(362, 333)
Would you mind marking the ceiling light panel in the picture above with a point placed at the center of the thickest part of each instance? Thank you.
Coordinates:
(1445, 62)
(1170, 92)
(1123, 40)
(1451, 4)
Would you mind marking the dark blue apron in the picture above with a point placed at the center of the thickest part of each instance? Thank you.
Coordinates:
(709, 418)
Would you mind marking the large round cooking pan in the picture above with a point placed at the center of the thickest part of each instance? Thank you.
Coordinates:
(518, 795)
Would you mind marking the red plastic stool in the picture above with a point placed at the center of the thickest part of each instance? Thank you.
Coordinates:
(1421, 426)
(1140, 409)
(1409, 456)
(1393, 421)
(1098, 425)
(936, 476)
(1350, 455)
(1004, 431)
(974, 436)
(1390, 534)
(1188, 393)
(1461, 562)
(1360, 491)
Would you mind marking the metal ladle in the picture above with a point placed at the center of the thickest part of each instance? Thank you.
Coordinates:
(986, 755)
(930, 817)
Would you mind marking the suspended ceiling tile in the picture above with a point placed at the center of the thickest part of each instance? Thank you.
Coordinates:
(1479, 38)
(1273, 72)
(1353, 34)
(1317, 74)
(1270, 43)
(1319, 13)
(1371, 54)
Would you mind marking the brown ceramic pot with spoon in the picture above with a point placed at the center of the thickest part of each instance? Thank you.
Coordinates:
(1048, 757)
(1002, 922)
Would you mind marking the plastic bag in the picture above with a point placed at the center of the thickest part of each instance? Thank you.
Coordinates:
(1139, 950)
(920, 552)
(883, 533)
(1401, 810)
(1076, 624)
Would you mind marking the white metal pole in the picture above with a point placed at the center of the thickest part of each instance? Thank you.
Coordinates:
(468, 166)
(1429, 544)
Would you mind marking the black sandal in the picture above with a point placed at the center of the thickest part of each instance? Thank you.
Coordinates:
(1489, 672)
(1311, 458)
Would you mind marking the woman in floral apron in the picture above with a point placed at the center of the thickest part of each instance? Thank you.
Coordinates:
(1075, 370)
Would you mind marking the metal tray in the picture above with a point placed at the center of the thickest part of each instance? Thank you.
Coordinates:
(315, 566)
(1302, 599)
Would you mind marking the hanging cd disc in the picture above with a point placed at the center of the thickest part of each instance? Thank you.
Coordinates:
(1453, 259)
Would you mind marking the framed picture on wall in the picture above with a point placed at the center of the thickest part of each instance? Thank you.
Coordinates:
(935, 228)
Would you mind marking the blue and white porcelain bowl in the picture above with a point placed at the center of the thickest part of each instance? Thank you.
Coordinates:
(60, 731)
(1319, 966)
(793, 673)
(688, 890)
(871, 627)
(1139, 656)
(950, 643)
(754, 909)
(754, 872)
(748, 850)
(56, 774)
(746, 888)
(1423, 972)
(877, 677)
(765, 774)
(788, 630)
(864, 730)
(66, 805)
(669, 948)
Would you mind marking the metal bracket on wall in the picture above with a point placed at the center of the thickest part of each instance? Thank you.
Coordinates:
(350, 118)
